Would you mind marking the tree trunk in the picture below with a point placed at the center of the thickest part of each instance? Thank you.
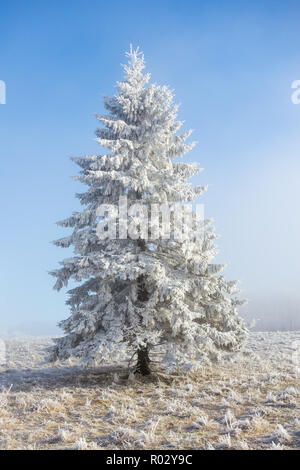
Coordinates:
(142, 293)
(143, 361)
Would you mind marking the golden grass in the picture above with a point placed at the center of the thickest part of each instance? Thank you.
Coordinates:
(245, 402)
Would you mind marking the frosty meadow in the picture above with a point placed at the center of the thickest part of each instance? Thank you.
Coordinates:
(145, 291)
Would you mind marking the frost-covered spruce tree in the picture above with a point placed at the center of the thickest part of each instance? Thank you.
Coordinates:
(146, 290)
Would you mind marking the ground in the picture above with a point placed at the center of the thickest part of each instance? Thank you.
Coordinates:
(247, 401)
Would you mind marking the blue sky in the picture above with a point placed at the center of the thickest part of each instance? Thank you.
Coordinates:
(231, 65)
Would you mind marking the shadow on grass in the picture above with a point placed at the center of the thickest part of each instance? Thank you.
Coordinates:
(55, 377)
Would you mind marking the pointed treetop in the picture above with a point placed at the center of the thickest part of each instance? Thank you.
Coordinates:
(135, 53)
(135, 65)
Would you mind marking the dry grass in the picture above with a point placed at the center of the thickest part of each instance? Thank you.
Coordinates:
(249, 401)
